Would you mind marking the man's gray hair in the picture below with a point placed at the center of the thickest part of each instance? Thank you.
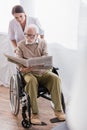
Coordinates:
(32, 26)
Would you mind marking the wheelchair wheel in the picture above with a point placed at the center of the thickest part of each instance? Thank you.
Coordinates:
(14, 95)
(26, 123)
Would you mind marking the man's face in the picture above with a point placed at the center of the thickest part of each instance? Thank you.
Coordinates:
(20, 17)
(31, 36)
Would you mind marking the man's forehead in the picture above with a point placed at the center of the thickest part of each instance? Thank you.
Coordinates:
(30, 30)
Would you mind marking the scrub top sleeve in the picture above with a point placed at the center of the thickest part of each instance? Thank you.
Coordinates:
(41, 31)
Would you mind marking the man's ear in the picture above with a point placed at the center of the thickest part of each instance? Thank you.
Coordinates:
(42, 36)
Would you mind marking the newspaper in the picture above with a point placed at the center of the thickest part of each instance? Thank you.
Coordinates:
(43, 62)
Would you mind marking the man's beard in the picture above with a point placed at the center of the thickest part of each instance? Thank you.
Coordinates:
(27, 42)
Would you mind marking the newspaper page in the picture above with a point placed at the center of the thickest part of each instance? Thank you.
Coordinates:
(16, 60)
(43, 62)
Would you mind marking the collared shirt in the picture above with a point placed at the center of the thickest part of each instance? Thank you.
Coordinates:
(36, 49)
(15, 31)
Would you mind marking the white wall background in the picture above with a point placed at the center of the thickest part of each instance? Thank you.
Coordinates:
(28, 6)
(5, 13)
(59, 18)
(82, 32)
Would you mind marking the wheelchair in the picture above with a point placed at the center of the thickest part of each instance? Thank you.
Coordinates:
(18, 96)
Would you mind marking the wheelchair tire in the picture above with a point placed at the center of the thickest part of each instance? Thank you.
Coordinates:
(26, 124)
(14, 95)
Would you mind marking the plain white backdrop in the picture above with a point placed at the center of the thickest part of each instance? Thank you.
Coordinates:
(5, 13)
(59, 18)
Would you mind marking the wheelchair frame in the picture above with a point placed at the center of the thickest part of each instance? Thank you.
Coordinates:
(18, 95)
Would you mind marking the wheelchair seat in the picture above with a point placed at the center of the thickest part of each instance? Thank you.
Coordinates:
(18, 94)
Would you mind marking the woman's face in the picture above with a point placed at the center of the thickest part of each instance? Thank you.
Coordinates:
(20, 17)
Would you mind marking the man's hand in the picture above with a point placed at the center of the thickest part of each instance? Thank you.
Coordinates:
(29, 69)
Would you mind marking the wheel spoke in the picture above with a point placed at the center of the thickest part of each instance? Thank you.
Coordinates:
(14, 95)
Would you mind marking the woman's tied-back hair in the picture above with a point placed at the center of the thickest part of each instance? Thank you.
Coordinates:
(17, 9)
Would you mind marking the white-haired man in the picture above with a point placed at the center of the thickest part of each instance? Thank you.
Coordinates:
(31, 47)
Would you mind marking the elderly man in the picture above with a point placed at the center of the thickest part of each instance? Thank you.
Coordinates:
(31, 47)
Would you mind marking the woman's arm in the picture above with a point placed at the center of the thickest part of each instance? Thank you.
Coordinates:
(14, 44)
